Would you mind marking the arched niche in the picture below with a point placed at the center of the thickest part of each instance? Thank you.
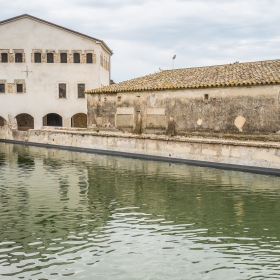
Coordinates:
(52, 119)
(25, 122)
(2, 121)
(79, 120)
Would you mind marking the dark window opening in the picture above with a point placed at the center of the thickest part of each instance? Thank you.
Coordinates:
(119, 98)
(18, 58)
(4, 57)
(76, 58)
(2, 88)
(81, 90)
(2, 122)
(19, 88)
(37, 58)
(62, 90)
(214, 100)
(89, 57)
(206, 97)
(63, 58)
(50, 58)
(52, 120)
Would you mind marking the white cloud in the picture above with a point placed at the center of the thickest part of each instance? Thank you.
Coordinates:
(144, 35)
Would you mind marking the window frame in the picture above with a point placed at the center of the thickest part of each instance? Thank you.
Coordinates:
(101, 60)
(48, 56)
(76, 57)
(18, 88)
(6, 56)
(4, 87)
(60, 93)
(17, 55)
(62, 54)
(78, 92)
(89, 61)
(37, 57)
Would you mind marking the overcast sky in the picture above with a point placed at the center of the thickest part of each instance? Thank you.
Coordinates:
(144, 35)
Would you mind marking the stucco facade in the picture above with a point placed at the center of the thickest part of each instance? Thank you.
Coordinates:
(38, 93)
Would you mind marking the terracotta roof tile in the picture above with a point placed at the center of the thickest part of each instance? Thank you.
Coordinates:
(238, 74)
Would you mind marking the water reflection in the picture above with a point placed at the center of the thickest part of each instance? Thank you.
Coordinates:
(84, 216)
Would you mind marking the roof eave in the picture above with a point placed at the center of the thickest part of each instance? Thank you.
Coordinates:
(100, 91)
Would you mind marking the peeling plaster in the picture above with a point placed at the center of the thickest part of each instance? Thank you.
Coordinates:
(239, 122)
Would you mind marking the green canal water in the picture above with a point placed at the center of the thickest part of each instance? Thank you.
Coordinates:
(68, 215)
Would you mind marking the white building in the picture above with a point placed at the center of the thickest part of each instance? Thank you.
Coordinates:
(44, 70)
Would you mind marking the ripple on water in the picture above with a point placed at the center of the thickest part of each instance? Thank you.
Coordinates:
(86, 216)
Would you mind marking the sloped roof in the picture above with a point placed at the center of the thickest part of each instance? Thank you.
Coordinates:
(237, 74)
(57, 26)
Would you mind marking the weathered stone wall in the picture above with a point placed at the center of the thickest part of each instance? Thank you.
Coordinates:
(102, 110)
(247, 153)
(235, 109)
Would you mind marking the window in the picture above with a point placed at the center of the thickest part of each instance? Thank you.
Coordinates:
(19, 88)
(18, 58)
(81, 90)
(50, 58)
(2, 88)
(206, 97)
(4, 57)
(62, 90)
(63, 58)
(76, 58)
(101, 60)
(89, 57)
(37, 58)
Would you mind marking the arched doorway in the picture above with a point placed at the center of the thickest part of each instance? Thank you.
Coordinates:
(25, 122)
(79, 120)
(2, 122)
(52, 119)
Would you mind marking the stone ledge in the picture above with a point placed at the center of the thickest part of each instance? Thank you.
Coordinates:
(216, 152)
(218, 141)
(217, 165)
